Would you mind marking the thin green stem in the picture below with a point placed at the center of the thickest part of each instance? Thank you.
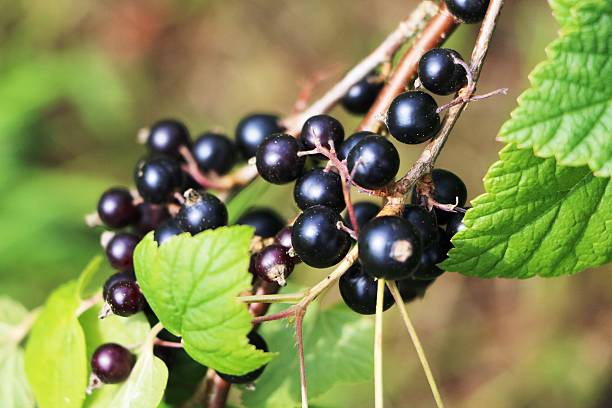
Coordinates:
(378, 334)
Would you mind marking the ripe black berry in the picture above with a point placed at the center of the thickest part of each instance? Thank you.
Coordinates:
(364, 212)
(116, 278)
(360, 96)
(120, 250)
(448, 189)
(373, 162)
(319, 187)
(283, 237)
(252, 130)
(266, 221)
(358, 290)
(274, 264)
(125, 298)
(150, 216)
(423, 221)
(116, 208)
(454, 224)
(412, 117)
(201, 211)
(322, 129)
(157, 179)
(277, 159)
(439, 73)
(411, 289)
(215, 152)
(112, 363)
(468, 11)
(346, 146)
(432, 255)
(166, 136)
(317, 240)
(260, 344)
(389, 248)
(167, 230)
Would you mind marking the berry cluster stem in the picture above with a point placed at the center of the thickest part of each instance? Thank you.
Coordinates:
(378, 349)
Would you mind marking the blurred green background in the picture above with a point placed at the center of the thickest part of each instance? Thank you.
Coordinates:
(78, 78)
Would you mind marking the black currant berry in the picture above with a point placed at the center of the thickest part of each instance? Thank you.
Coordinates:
(424, 223)
(364, 212)
(319, 187)
(120, 250)
(373, 162)
(125, 298)
(468, 11)
(358, 290)
(112, 363)
(430, 258)
(116, 278)
(277, 159)
(167, 136)
(346, 146)
(455, 224)
(439, 73)
(167, 230)
(316, 238)
(266, 221)
(252, 130)
(260, 344)
(157, 179)
(360, 96)
(116, 208)
(389, 248)
(448, 189)
(150, 216)
(201, 211)
(215, 152)
(412, 117)
(283, 237)
(322, 129)
(273, 264)
(411, 289)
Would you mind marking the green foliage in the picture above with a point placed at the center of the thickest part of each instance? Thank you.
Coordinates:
(337, 347)
(191, 283)
(567, 113)
(537, 218)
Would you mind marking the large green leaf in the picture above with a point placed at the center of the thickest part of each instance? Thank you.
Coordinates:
(191, 284)
(337, 349)
(567, 113)
(536, 218)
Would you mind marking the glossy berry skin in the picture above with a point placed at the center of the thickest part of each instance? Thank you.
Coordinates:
(167, 136)
(150, 216)
(389, 248)
(167, 230)
(448, 189)
(423, 221)
(157, 179)
(412, 117)
(362, 95)
(201, 211)
(277, 159)
(317, 240)
(439, 73)
(364, 212)
(373, 162)
(455, 224)
(112, 363)
(252, 130)
(266, 221)
(116, 208)
(283, 237)
(125, 298)
(260, 344)
(346, 146)
(215, 152)
(120, 250)
(116, 278)
(468, 11)
(319, 187)
(358, 290)
(322, 128)
(273, 264)
(411, 289)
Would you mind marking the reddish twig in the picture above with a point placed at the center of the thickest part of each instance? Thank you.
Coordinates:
(165, 343)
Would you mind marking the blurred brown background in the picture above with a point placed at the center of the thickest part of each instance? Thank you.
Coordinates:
(78, 78)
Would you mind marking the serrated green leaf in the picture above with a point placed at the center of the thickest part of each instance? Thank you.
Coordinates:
(245, 198)
(536, 218)
(338, 349)
(191, 283)
(567, 113)
(55, 359)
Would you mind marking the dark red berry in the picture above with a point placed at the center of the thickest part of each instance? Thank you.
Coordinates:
(116, 278)
(274, 264)
(120, 250)
(167, 136)
(277, 159)
(283, 237)
(150, 216)
(157, 179)
(125, 298)
(112, 363)
(116, 208)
